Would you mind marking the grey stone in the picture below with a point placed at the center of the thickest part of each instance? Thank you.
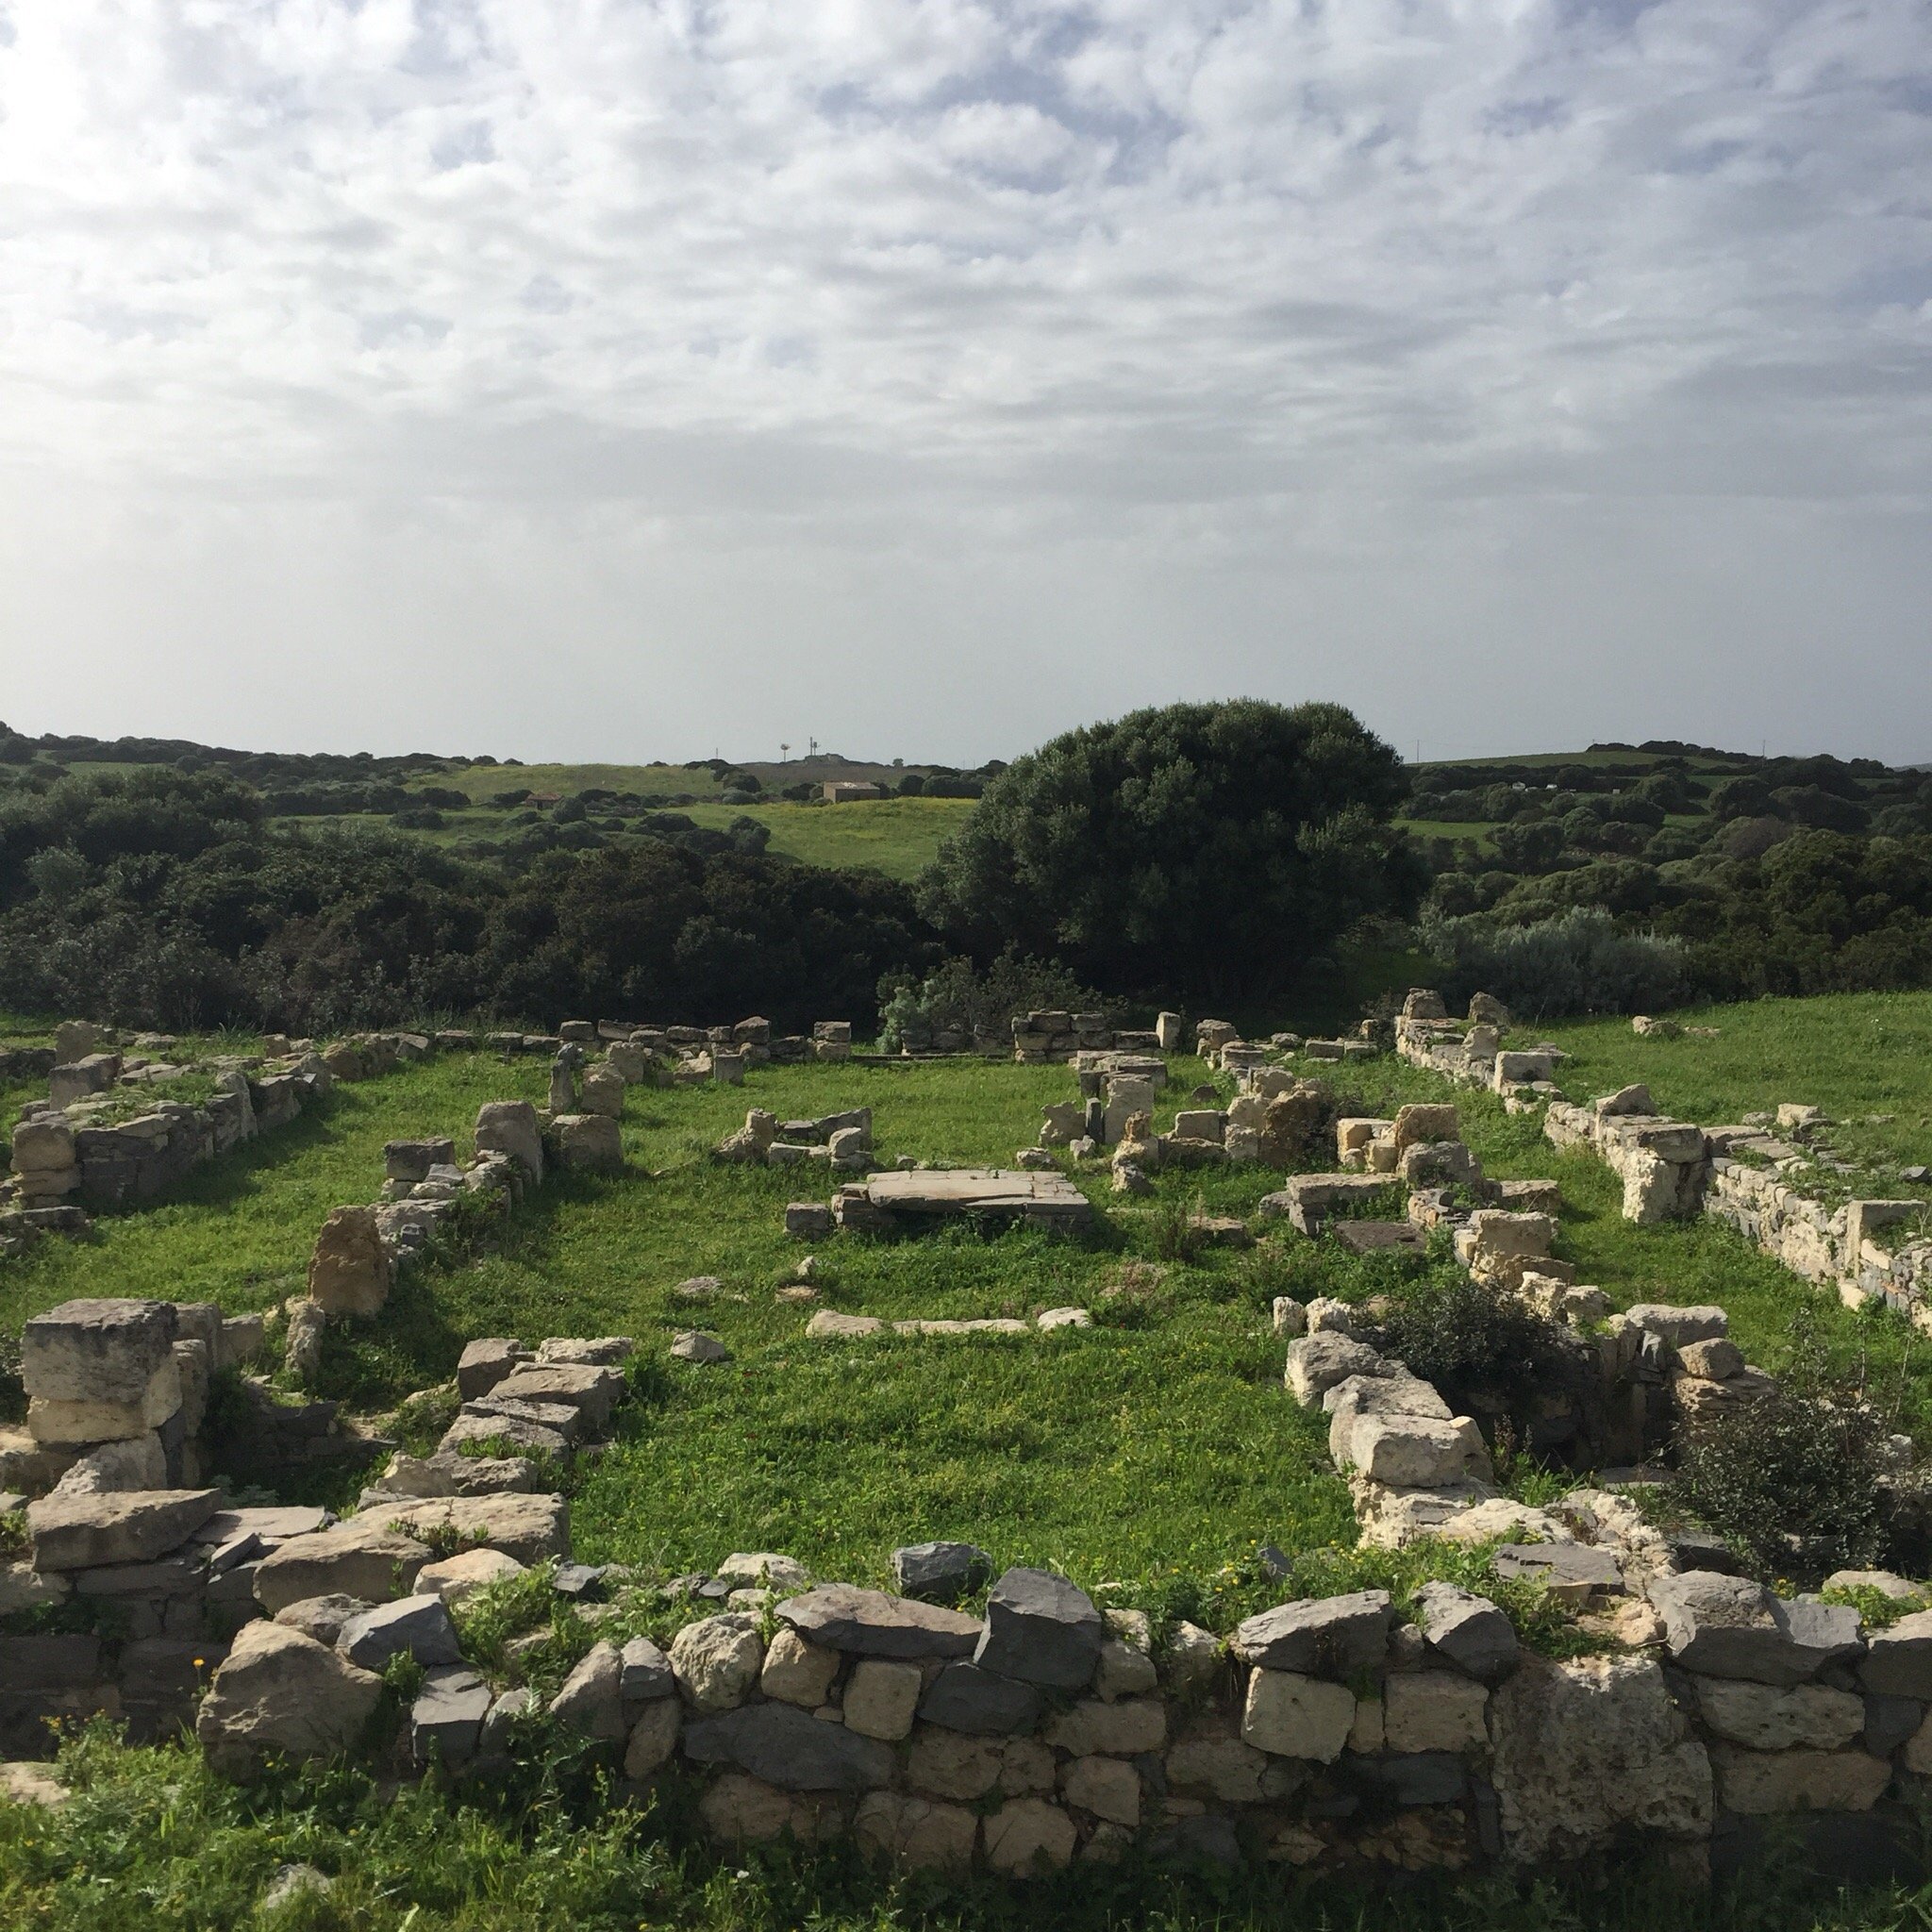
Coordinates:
(789, 1748)
(322, 1617)
(940, 1573)
(1570, 1571)
(1898, 1662)
(1317, 1362)
(419, 1625)
(486, 1362)
(1040, 1629)
(868, 1623)
(963, 1697)
(645, 1672)
(592, 1700)
(1330, 1637)
(1730, 1627)
(447, 1718)
(1890, 1722)
(1467, 1629)
(88, 1532)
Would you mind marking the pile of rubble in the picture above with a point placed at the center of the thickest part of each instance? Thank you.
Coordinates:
(841, 1141)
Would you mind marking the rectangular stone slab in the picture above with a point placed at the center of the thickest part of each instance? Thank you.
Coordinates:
(980, 1191)
(89, 1532)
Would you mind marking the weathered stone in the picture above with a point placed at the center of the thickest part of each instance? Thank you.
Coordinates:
(90, 1531)
(1730, 1627)
(696, 1346)
(717, 1660)
(350, 1270)
(1219, 1767)
(1105, 1787)
(940, 1573)
(524, 1526)
(278, 1691)
(1752, 1783)
(1040, 1629)
(1120, 1730)
(1717, 1360)
(1899, 1660)
(868, 1623)
(138, 1462)
(509, 1127)
(485, 1364)
(1571, 1572)
(1433, 1710)
(1333, 1635)
(447, 1716)
(963, 1697)
(593, 1392)
(652, 1737)
(1317, 1362)
(456, 1577)
(881, 1699)
(1586, 1750)
(322, 1617)
(1028, 1836)
(1763, 1717)
(1289, 1715)
(592, 1141)
(737, 1809)
(786, 1747)
(796, 1671)
(1415, 1451)
(419, 1626)
(914, 1832)
(1678, 1325)
(645, 1674)
(359, 1559)
(592, 1699)
(100, 1370)
(1467, 1629)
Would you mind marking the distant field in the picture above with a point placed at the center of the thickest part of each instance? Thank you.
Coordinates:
(487, 781)
(1568, 758)
(1856, 1055)
(1481, 830)
(898, 837)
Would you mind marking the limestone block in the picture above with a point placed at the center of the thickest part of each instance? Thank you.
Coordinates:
(1105, 1787)
(1122, 1729)
(1584, 1751)
(717, 1661)
(915, 1832)
(509, 1127)
(881, 1698)
(1289, 1715)
(456, 1577)
(1218, 1766)
(1764, 1718)
(1433, 1710)
(796, 1671)
(1422, 1122)
(1417, 1451)
(592, 1141)
(93, 1531)
(1756, 1782)
(602, 1088)
(351, 1269)
(1027, 1836)
(869, 1622)
(652, 1737)
(100, 1370)
(360, 1558)
(278, 1691)
(592, 1699)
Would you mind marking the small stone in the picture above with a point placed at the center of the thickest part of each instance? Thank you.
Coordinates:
(868, 1623)
(696, 1346)
(652, 1737)
(1105, 1787)
(717, 1660)
(1289, 1715)
(446, 1717)
(796, 1671)
(881, 1698)
(1332, 1636)
(1028, 1836)
(592, 1700)
(456, 1577)
(1467, 1629)
(763, 1569)
(940, 1573)
(1433, 1710)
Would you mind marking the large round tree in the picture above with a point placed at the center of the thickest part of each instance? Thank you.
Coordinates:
(1206, 849)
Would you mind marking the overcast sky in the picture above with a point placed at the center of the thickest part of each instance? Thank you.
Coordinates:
(609, 379)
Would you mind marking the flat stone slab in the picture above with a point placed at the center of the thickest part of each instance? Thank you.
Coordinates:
(1039, 1196)
(1373, 1236)
(1571, 1571)
(869, 1622)
(273, 1524)
(90, 1532)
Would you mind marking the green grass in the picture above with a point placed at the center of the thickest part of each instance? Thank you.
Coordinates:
(1855, 1054)
(899, 836)
(488, 781)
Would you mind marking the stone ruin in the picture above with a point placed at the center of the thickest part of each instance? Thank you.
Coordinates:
(841, 1141)
(1042, 1037)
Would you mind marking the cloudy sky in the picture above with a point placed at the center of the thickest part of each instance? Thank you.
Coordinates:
(618, 378)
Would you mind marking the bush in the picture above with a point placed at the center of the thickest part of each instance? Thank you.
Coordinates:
(1801, 1483)
(1200, 848)
(1575, 962)
(1482, 1347)
(978, 1001)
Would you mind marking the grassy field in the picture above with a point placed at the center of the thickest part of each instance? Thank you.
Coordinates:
(1865, 1058)
(899, 836)
(488, 781)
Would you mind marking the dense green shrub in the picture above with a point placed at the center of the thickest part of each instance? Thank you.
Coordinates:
(1482, 1347)
(1578, 961)
(1204, 848)
(978, 1001)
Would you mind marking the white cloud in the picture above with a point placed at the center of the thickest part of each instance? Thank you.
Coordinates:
(1522, 370)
